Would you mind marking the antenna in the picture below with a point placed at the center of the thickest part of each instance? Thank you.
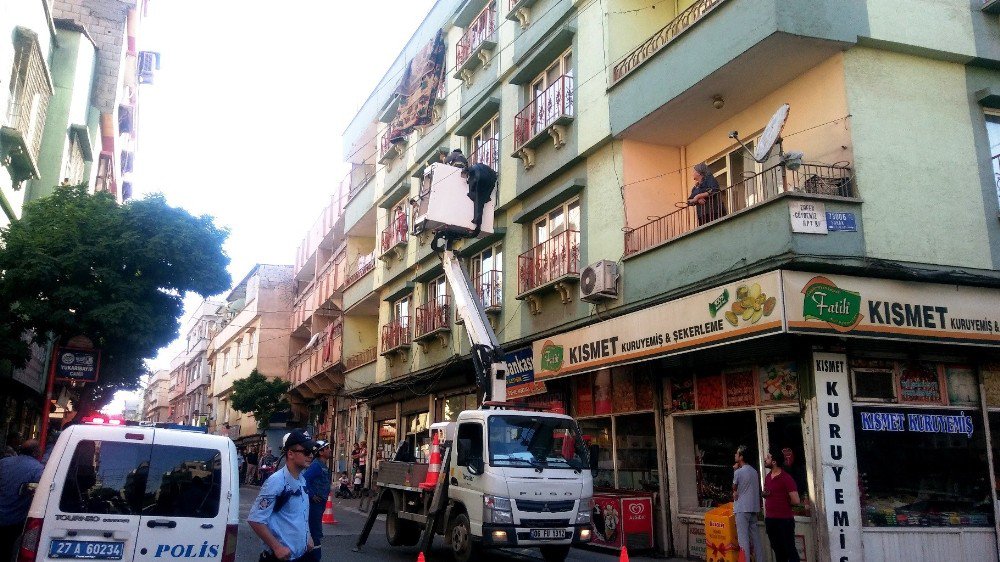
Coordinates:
(770, 136)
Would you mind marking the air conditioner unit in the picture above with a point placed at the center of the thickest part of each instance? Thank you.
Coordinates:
(599, 281)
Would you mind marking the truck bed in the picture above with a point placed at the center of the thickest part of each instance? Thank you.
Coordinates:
(402, 475)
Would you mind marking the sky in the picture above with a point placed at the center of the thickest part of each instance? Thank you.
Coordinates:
(244, 119)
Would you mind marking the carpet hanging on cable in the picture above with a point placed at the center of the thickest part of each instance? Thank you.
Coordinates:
(423, 78)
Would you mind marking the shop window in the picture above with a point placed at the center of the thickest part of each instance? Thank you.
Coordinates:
(635, 451)
(385, 446)
(597, 433)
(451, 406)
(873, 380)
(922, 467)
(706, 447)
(993, 133)
(418, 435)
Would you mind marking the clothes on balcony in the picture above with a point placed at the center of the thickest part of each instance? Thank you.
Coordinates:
(711, 206)
(419, 88)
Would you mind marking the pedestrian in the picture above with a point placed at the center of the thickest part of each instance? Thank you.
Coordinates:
(241, 465)
(361, 455)
(746, 506)
(318, 484)
(707, 195)
(15, 474)
(780, 494)
(251, 461)
(280, 514)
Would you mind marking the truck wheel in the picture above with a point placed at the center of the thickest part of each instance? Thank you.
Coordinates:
(400, 532)
(555, 553)
(463, 548)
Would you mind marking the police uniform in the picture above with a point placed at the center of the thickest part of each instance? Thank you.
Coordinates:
(288, 523)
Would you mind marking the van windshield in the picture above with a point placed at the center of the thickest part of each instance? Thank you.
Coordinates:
(114, 478)
(536, 442)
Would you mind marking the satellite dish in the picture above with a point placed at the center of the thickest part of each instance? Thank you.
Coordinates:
(589, 280)
(771, 133)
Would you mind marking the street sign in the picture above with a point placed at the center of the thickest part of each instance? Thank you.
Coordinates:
(78, 365)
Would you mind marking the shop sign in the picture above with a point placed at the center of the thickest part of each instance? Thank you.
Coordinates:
(77, 364)
(838, 457)
(696, 542)
(917, 422)
(843, 305)
(704, 319)
(808, 217)
(521, 374)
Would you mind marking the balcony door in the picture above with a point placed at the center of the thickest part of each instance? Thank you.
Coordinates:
(746, 183)
(549, 102)
(487, 272)
(557, 242)
(486, 143)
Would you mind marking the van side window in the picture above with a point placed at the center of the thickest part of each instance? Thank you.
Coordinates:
(183, 482)
(113, 478)
(106, 478)
(470, 443)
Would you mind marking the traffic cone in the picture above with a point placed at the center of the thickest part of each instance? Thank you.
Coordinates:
(328, 517)
(420, 557)
(623, 557)
(434, 470)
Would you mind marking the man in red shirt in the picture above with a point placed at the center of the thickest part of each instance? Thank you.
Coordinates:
(780, 494)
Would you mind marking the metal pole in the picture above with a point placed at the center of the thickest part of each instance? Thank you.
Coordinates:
(47, 404)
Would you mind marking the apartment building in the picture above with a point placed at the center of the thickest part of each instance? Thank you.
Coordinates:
(156, 401)
(824, 303)
(191, 378)
(252, 335)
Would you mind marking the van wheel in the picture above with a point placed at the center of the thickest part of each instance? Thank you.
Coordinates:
(400, 532)
(555, 553)
(463, 548)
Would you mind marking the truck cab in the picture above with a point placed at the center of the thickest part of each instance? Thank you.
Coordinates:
(518, 479)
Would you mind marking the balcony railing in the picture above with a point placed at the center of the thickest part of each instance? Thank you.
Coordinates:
(747, 193)
(324, 354)
(549, 261)
(396, 334)
(551, 107)
(389, 150)
(365, 265)
(489, 287)
(361, 359)
(487, 153)
(433, 316)
(691, 15)
(396, 234)
(481, 29)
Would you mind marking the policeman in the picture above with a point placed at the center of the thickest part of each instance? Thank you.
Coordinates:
(318, 485)
(280, 514)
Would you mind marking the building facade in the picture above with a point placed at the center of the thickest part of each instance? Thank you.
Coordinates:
(252, 335)
(156, 401)
(817, 302)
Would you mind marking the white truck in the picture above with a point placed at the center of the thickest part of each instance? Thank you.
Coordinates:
(511, 476)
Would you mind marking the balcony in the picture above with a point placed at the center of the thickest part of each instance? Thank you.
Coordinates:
(489, 287)
(389, 151)
(746, 194)
(365, 265)
(477, 45)
(361, 174)
(306, 365)
(361, 359)
(394, 238)
(487, 153)
(520, 11)
(554, 263)
(546, 115)
(396, 336)
(433, 321)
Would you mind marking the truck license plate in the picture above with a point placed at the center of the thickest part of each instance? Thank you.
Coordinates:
(548, 533)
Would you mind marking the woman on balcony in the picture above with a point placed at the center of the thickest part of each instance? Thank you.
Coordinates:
(707, 195)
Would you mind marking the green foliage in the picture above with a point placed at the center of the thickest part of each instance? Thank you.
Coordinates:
(80, 263)
(259, 396)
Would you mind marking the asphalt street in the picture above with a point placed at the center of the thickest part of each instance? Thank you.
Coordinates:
(339, 540)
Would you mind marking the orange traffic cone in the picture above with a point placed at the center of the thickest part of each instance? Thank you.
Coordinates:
(328, 517)
(623, 557)
(420, 557)
(435, 468)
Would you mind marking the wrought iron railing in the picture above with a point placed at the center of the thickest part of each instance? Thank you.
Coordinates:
(489, 287)
(361, 358)
(434, 315)
(481, 29)
(553, 103)
(691, 15)
(396, 334)
(749, 192)
(487, 153)
(556, 257)
(396, 233)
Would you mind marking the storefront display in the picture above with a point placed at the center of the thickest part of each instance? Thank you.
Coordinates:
(385, 446)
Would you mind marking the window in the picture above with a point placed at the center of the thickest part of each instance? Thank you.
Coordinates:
(526, 441)
(736, 169)
(112, 478)
(993, 133)
(401, 311)
(76, 161)
(470, 443)
(485, 144)
(30, 90)
(552, 92)
(486, 268)
(226, 363)
(451, 406)
(252, 341)
(418, 434)
(555, 222)
(239, 352)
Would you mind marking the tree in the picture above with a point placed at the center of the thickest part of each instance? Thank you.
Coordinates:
(260, 396)
(81, 264)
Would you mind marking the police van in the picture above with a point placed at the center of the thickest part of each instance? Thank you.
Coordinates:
(135, 493)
